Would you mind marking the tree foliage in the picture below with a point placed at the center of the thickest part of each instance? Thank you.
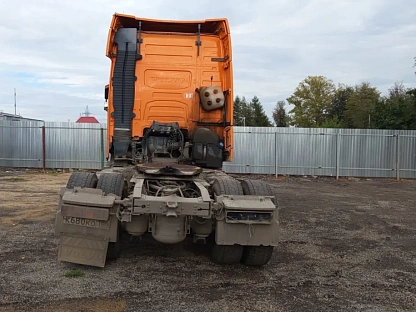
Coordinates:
(237, 111)
(318, 103)
(312, 100)
(280, 117)
(336, 116)
(260, 118)
(243, 113)
(250, 114)
(360, 105)
(247, 113)
(397, 110)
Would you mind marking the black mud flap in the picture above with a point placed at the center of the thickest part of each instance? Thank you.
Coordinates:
(83, 250)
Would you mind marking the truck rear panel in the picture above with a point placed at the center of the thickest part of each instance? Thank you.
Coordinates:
(157, 68)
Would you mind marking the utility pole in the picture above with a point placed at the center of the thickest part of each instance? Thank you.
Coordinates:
(244, 121)
(15, 102)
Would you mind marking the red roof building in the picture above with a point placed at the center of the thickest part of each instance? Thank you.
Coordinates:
(87, 118)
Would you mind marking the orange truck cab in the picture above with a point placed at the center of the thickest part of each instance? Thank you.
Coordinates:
(170, 117)
(170, 93)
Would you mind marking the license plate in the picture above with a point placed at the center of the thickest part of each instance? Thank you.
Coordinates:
(99, 224)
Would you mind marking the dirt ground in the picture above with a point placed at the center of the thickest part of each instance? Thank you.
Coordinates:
(347, 245)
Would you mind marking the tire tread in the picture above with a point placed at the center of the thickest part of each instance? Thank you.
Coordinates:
(226, 254)
(82, 179)
(257, 255)
(227, 186)
(111, 183)
(257, 187)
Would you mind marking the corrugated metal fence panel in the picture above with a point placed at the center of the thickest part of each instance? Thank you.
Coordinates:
(367, 153)
(299, 151)
(306, 152)
(407, 155)
(295, 151)
(255, 151)
(21, 143)
(74, 145)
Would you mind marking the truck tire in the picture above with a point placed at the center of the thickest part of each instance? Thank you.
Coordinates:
(256, 187)
(113, 250)
(82, 179)
(111, 183)
(226, 254)
(227, 186)
(257, 255)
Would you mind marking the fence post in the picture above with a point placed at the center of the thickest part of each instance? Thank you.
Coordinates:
(275, 154)
(102, 147)
(397, 157)
(43, 148)
(337, 154)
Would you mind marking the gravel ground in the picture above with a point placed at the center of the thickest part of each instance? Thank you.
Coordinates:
(346, 245)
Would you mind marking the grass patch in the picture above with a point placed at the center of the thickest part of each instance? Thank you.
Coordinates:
(17, 179)
(74, 273)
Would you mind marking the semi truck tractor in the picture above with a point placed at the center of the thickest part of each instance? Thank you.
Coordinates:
(169, 104)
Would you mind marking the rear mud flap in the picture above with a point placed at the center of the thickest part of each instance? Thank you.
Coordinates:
(248, 220)
(247, 234)
(87, 251)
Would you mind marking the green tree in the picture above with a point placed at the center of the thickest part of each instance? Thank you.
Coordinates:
(260, 118)
(243, 112)
(333, 122)
(312, 100)
(336, 113)
(397, 110)
(411, 109)
(280, 117)
(237, 111)
(360, 105)
(247, 113)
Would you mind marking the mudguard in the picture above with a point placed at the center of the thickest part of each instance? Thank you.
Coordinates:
(247, 220)
(86, 223)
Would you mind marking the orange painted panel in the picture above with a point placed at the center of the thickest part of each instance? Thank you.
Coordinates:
(172, 68)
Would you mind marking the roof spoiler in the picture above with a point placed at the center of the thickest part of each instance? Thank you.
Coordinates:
(218, 26)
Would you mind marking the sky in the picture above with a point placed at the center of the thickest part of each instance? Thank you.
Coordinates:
(53, 52)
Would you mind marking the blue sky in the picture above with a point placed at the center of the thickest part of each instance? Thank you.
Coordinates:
(53, 52)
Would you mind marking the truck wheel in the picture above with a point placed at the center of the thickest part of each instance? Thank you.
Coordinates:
(257, 255)
(113, 250)
(224, 186)
(82, 179)
(111, 183)
(256, 187)
(226, 254)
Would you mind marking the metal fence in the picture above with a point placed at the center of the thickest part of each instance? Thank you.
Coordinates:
(279, 151)
(327, 152)
(34, 144)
